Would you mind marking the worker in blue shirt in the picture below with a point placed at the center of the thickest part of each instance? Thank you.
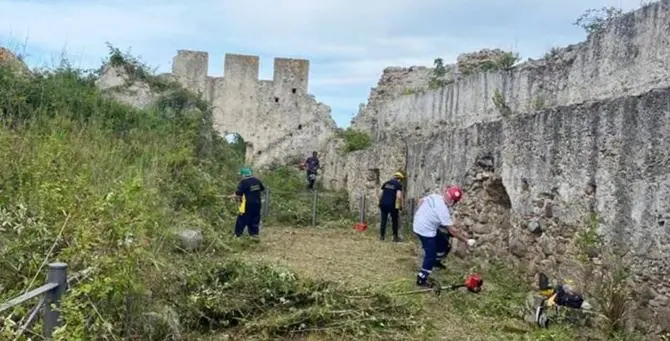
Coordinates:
(248, 194)
(390, 203)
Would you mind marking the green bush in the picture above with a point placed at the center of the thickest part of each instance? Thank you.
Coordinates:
(291, 204)
(437, 79)
(137, 70)
(355, 140)
(553, 52)
(504, 61)
(500, 103)
(507, 60)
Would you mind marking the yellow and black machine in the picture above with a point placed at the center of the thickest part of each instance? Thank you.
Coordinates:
(553, 297)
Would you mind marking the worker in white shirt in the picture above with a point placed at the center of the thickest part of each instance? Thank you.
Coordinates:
(432, 218)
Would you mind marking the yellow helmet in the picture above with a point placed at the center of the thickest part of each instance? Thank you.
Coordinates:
(398, 175)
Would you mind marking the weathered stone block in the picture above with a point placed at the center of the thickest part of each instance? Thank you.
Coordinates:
(190, 240)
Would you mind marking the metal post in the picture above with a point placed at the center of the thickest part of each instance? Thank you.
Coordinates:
(364, 206)
(410, 213)
(266, 205)
(361, 208)
(314, 198)
(264, 199)
(57, 274)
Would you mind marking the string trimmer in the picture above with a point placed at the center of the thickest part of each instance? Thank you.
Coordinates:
(473, 283)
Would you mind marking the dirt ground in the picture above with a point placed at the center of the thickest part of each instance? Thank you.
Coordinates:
(340, 255)
(361, 260)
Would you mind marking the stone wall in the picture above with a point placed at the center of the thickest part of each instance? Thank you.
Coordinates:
(362, 172)
(629, 57)
(615, 151)
(277, 118)
(587, 134)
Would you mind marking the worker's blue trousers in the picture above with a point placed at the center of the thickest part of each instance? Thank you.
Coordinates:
(251, 218)
(442, 246)
(429, 245)
(434, 249)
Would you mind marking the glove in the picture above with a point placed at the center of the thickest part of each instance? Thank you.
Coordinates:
(471, 242)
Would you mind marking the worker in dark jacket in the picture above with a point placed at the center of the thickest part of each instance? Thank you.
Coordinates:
(390, 203)
(248, 194)
(312, 165)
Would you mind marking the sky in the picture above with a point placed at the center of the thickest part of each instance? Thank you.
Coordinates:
(348, 42)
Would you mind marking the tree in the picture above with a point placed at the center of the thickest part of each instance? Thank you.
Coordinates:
(440, 70)
(593, 20)
(437, 79)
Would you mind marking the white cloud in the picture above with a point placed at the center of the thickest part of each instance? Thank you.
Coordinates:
(337, 81)
(349, 42)
(50, 25)
(361, 72)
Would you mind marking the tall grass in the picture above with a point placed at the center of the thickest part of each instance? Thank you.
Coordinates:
(104, 186)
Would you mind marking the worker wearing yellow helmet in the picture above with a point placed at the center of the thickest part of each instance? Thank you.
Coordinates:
(390, 203)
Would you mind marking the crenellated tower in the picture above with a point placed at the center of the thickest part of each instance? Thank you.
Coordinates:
(190, 68)
(291, 75)
(241, 72)
(277, 118)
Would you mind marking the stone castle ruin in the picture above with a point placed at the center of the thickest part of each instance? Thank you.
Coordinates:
(545, 149)
(277, 118)
(576, 139)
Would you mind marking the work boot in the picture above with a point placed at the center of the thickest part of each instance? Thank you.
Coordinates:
(397, 239)
(423, 282)
(382, 237)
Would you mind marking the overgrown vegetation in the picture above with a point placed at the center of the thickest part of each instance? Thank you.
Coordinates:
(291, 205)
(104, 187)
(553, 52)
(593, 20)
(264, 302)
(507, 60)
(412, 91)
(437, 79)
(354, 139)
(537, 103)
(500, 103)
(137, 70)
(606, 279)
(502, 61)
